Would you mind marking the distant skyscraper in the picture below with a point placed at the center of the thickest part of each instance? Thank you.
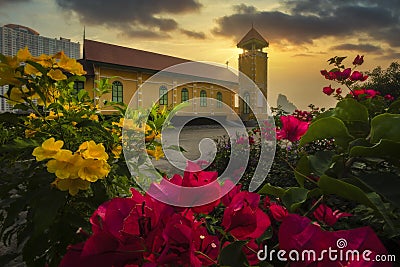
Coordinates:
(15, 37)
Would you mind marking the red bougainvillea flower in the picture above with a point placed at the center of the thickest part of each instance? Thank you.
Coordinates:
(328, 90)
(389, 97)
(328, 75)
(325, 215)
(343, 75)
(292, 128)
(183, 240)
(227, 199)
(338, 91)
(278, 212)
(193, 176)
(367, 93)
(299, 234)
(243, 218)
(358, 76)
(358, 60)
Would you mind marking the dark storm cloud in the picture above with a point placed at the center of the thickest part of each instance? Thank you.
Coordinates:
(303, 21)
(358, 47)
(133, 16)
(193, 34)
(5, 2)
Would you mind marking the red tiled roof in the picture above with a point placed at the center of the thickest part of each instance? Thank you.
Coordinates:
(119, 55)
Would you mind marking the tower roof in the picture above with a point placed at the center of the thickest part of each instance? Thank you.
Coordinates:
(252, 37)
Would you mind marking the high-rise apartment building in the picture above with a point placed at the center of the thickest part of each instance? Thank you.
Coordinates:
(15, 37)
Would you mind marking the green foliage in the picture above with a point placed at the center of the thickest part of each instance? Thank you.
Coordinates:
(385, 81)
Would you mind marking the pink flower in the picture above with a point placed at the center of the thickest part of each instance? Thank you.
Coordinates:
(343, 75)
(389, 97)
(367, 93)
(183, 239)
(371, 93)
(358, 76)
(358, 60)
(328, 90)
(243, 218)
(325, 214)
(298, 233)
(278, 212)
(292, 128)
(227, 199)
(193, 176)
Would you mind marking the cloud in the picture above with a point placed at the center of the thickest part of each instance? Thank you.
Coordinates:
(132, 16)
(5, 2)
(358, 47)
(305, 21)
(194, 34)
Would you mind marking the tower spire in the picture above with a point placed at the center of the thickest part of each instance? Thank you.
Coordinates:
(84, 37)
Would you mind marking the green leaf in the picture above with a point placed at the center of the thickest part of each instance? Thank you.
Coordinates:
(395, 107)
(9, 117)
(385, 126)
(265, 236)
(330, 127)
(350, 110)
(384, 184)
(46, 206)
(294, 197)
(272, 190)
(383, 149)
(232, 255)
(354, 115)
(332, 186)
(321, 161)
(302, 170)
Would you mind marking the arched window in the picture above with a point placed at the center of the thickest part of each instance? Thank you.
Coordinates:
(246, 102)
(117, 92)
(219, 100)
(203, 98)
(184, 95)
(163, 95)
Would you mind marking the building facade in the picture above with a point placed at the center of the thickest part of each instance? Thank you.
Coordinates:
(14, 37)
(129, 68)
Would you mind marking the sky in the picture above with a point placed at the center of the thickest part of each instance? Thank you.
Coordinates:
(302, 34)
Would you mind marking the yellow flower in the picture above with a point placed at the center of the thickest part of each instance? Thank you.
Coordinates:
(56, 75)
(74, 123)
(32, 116)
(70, 65)
(30, 133)
(65, 165)
(16, 95)
(44, 60)
(94, 117)
(117, 151)
(89, 150)
(157, 153)
(92, 170)
(150, 134)
(120, 123)
(31, 70)
(71, 185)
(48, 150)
(52, 115)
(24, 54)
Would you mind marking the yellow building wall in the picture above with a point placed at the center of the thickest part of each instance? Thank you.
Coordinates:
(131, 81)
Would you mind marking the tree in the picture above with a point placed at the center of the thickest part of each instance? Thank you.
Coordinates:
(385, 81)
